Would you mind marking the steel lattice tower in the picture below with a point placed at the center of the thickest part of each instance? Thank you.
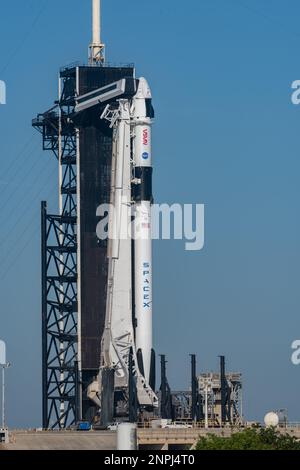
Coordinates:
(59, 266)
(74, 263)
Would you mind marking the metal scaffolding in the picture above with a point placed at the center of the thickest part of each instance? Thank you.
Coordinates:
(61, 403)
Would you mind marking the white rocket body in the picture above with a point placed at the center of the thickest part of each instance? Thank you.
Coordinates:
(122, 334)
(143, 284)
(142, 227)
(126, 345)
(128, 321)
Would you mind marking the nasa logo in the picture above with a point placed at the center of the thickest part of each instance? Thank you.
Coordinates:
(145, 137)
(145, 155)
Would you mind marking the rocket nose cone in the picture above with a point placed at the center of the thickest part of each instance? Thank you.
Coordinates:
(144, 90)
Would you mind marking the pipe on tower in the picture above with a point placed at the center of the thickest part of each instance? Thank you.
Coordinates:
(96, 49)
(96, 22)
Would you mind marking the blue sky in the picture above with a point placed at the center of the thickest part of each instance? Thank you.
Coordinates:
(226, 135)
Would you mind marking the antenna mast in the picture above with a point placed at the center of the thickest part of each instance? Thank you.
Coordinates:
(96, 49)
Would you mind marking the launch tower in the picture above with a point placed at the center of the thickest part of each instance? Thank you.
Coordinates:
(75, 262)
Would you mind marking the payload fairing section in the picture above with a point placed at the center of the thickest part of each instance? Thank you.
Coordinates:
(127, 336)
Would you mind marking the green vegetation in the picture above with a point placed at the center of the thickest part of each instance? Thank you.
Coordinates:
(250, 439)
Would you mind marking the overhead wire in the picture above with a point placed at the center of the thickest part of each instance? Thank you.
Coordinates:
(267, 17)
(25, 37)
(23, 247)
(29, 170)
(19, 155)
(29, 203)
(4, 259)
